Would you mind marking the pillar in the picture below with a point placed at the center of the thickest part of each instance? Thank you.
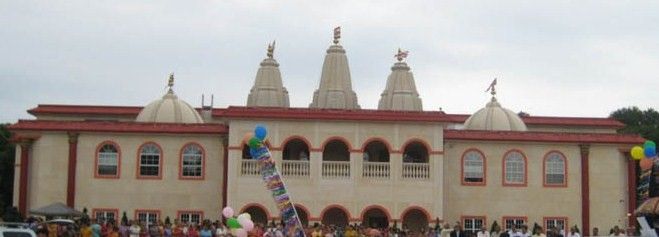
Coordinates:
(585, 189)
(23, 182)
(71, 177)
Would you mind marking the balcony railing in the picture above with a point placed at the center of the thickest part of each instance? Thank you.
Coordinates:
(377, 170)
(249, 168)
(336, 169)
(295, 168)
(416, 170)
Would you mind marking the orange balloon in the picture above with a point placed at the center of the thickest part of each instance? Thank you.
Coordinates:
(247, 136)
(646, 164)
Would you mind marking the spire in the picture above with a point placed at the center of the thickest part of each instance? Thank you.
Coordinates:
(400, 92)
(335, 89)
(491, 88)
(271, 49)
(268, 89)
(170, 83)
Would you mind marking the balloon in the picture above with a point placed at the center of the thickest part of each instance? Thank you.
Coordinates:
(254, 142)
(241, 232)
(247, 224)
(233, 223)
(247, 136)
(260, 132)
(246, 214)
(227, 212)
(650, 151)
(646, 164)
(649, 143)
(637, 152)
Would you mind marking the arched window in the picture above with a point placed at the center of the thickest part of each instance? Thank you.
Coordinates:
(415, 152)
(296, 149)
(336, 150)
(514, 168)
(107, 163)
(149, 163)
(554, 169)
(376, 151)
(192, 162)
(473, 167)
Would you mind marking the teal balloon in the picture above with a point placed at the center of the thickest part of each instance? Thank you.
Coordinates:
(650, 151)
(233, 223)
(260, 132)
(254, 142)
(649, 143)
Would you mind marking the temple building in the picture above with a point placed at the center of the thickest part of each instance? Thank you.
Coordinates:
(341, 163)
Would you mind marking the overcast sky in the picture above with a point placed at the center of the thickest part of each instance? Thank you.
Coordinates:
(555, 58)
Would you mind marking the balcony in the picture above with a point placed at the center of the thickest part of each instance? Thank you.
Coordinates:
(249, 168)
(295, 168)
(376, 170)
(416, 171)
(336, 169)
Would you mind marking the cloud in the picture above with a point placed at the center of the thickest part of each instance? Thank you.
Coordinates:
(560, 58)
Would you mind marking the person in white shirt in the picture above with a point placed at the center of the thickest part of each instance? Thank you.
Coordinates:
(515, 232)
(574, 232)
(617, 232)
(134, 229)
(483, 232)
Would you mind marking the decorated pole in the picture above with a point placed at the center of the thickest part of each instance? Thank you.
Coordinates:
(259, 151)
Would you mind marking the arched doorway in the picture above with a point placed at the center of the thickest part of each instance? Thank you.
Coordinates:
(336, 150)
(246, 154)
(259, 215)
(376, 151)
(335, 216)
(415, 219)
(375, 217)
(296, 149)
(303, 215)
(415, 152)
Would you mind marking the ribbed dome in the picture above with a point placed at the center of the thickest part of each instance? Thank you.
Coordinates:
(495, 117)
(400, 92)
(268, 89)
(169, 109)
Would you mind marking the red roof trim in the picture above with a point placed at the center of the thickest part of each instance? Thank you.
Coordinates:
(450, 134)
(119, 127)
(324, 114)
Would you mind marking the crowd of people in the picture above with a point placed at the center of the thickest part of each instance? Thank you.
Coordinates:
(207, 228)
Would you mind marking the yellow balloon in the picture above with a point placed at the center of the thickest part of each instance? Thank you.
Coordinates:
(637, 153)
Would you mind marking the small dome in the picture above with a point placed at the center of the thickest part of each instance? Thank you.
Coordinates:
(169, 109)
(495, 117)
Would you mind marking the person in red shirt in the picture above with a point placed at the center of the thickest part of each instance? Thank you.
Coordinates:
(192, 231)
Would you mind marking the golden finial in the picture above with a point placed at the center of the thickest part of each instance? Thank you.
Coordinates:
(337, 34)
(401, 55)
(170, 82)
(271, 49)
(491, 88)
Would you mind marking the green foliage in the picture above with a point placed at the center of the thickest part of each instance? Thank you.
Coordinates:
(644, 123)
(124, 219)
(7, 159)
(167, 220)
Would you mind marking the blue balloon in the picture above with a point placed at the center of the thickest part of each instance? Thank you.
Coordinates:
(650, 151)
(253, 152)
(260, 132)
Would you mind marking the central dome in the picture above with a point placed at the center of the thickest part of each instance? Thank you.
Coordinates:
(169, 109)
(495, 117)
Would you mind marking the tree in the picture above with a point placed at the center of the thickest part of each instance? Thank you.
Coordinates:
(124, 219)
(644, 123)
(7, 157)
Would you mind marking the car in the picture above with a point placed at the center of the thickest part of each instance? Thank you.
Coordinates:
(15, 230)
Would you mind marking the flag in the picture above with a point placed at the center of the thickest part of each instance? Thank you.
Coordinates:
(491, 87)
(402, 54)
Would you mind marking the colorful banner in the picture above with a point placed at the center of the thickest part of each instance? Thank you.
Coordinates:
(275, 184)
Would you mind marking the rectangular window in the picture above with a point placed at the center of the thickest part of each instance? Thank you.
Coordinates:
(150, 165)
(104, 215)
(560, 223)
(190, 217)
(192, 166)
(147, 217)
(473, 224)
(516, 222)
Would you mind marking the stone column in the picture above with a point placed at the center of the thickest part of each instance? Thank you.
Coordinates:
(71, 178)
(585, 189)
(24, 176)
